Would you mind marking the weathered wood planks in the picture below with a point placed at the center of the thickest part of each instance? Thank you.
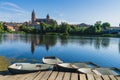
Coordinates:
(55, 75)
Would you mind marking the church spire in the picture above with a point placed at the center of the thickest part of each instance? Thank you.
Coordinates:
(33, 16)
(47, 17)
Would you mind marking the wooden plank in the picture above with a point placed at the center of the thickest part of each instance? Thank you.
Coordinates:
(112, 77)
(82, 77)
(67, 76)
(4, 77)
(32, 76)
(39, 76)
(24, 76)
(90, 77)
(14, 77)
(74, 76)
(60, 76)
(118, 77)
(97, 77)
(46, 76)
(53, 76)
(105, 77)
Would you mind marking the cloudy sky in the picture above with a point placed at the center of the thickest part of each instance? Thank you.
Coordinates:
(71, 11)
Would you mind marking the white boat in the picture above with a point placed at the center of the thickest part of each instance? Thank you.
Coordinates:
(28, 67)
(73, 67)
(106, 71)
(51, 60)
(100, 71)
(86, 70)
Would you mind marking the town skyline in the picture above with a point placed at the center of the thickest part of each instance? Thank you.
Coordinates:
(72, 12)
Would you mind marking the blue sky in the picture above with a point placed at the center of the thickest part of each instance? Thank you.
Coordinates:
(71, 11)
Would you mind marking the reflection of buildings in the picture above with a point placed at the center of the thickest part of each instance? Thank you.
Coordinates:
(46, 41)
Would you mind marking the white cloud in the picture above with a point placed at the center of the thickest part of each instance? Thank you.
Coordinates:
(13, 12)
(10, 4)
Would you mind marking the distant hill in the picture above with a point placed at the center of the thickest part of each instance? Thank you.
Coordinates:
(83, 25)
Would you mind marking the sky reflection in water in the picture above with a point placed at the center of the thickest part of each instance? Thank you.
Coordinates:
(31, 48)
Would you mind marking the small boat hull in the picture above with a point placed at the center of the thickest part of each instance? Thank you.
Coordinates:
(106, 71)
(73, 67)
(65, 69)
(51, 60)
(20, 68)
(16, 71)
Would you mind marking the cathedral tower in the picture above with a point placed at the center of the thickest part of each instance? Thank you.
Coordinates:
(33, 17)
(47, 17)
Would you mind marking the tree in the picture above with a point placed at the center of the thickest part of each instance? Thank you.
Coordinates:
(1, 27)
(98, 26)
(105, 25)
(54, 25)
(90, 30)
(64, 27)
(43, 26)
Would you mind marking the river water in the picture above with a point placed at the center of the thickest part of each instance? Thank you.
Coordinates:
(104, 51)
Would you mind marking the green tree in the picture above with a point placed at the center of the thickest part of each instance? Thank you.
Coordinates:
(105, 25)
(64, 27)
(54, 25)
(1, 27)
(43, 27)
(90, 30)
(98, 27)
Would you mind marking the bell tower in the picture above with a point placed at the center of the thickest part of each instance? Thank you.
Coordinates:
(33, 17)
(47, 17)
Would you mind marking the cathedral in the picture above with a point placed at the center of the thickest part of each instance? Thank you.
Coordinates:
(36, 21)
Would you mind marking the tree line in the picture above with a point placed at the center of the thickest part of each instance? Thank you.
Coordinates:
(64, 28)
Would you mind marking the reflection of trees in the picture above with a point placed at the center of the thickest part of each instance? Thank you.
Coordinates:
(105, 42)
(0, 38)
(33, 46)
(101, 42)
(119, 46)
(48, 41)
(64, 39)
(97, 43)
(84, 41)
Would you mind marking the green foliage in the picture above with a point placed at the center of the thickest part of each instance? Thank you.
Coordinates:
(98, 27)
(1, 27)
(105, 25)
(65, 28)
(43, 27)
(28, 29)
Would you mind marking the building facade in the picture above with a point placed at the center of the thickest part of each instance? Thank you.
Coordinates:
(35, 22)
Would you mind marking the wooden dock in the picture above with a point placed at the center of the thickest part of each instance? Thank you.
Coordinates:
(55, 75)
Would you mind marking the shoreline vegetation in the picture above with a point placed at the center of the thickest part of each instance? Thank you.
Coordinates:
(97, 30)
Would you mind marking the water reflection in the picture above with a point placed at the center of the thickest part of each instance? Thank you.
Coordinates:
(32, 48)
(48, 41)
(119, 46)
(101, 42)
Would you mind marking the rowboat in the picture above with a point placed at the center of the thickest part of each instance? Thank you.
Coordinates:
(73, 67)
(28, 67)
(51, 60)
(100, 71)
(106, 71)
(86, 70)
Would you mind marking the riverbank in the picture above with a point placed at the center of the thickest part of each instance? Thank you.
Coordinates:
(66, 34)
